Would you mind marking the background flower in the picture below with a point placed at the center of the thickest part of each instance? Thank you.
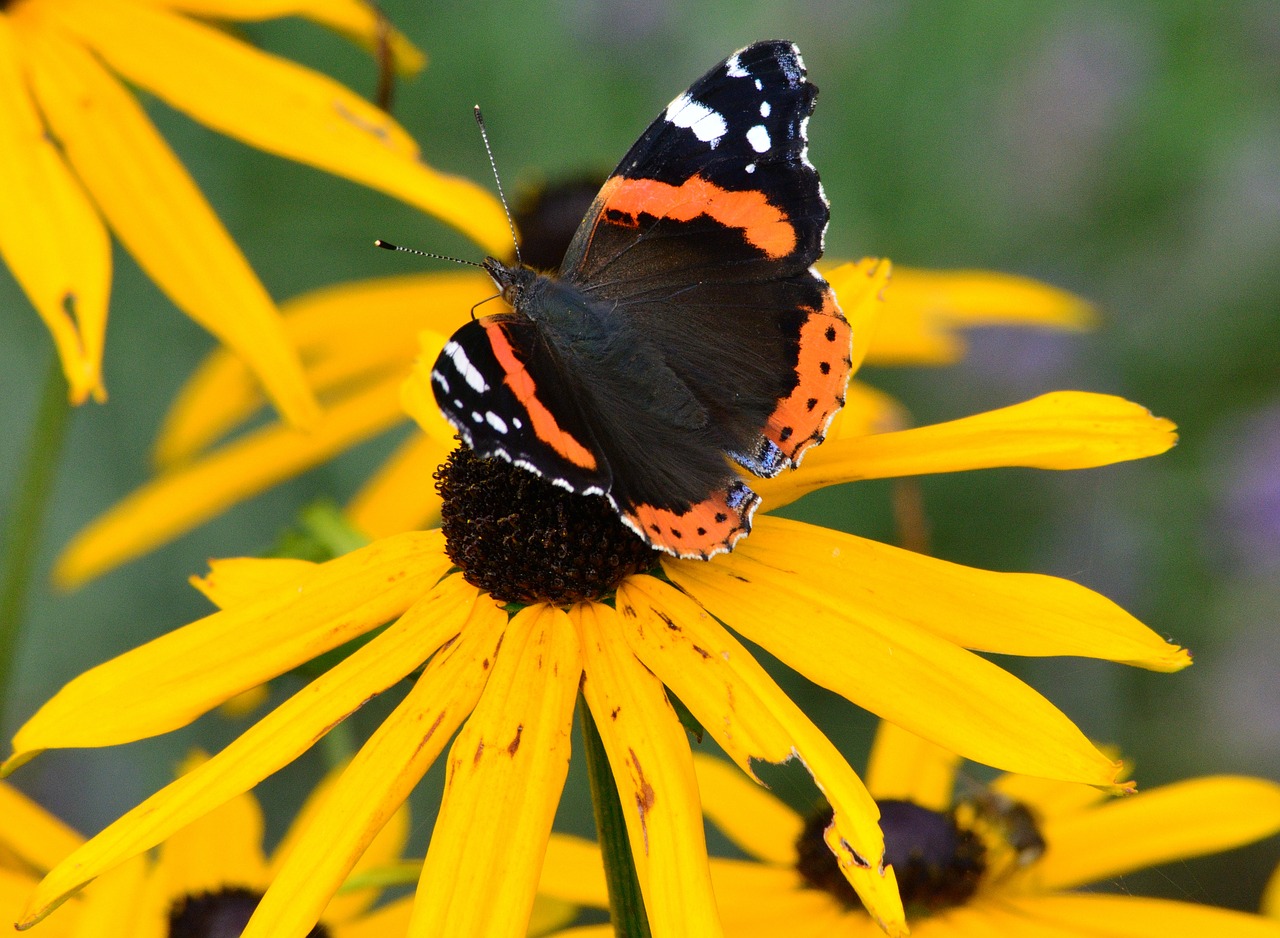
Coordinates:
(1124, 151)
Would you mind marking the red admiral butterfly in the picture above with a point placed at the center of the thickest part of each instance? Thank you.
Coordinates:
(686, 324)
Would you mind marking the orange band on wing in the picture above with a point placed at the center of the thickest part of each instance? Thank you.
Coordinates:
(761, 223)
(544, 424)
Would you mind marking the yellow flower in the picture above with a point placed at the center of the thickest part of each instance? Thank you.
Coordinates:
(997, 861)
(357, 371)
(214, 870)
(78, 155)
(890, 630)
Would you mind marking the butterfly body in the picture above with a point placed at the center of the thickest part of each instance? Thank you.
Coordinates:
(686, 330)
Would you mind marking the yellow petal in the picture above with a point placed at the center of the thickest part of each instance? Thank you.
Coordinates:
(1271, 896)
(390, 919)
(924, 308)
(550, 914)
(866, 410)
(379, 779)
(1006, 613)
(573, 871)
(281, 107)
(238, 581)
(1137, 917)
(1062, 430)
(31, 833)
(751, 718)
(788, 589)
(272, 742)
(416, 395)
(50, 235)
(170, 681)
(1046, 797)
(757, 822)
(648, 753)
(158, 213)
(1186, 819)
(354, 18)
(860, 289)
(184, 498)
(15, 886)
(126, 895)
(761, 900)
(330, 329)
(505, 773)
(904, 767)
(221, 847)
(395, 498)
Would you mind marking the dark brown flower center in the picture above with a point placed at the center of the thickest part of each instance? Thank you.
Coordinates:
(938, 864)
(221, 914)
(525, 540)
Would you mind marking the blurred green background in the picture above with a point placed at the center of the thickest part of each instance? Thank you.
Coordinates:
(1126, 151)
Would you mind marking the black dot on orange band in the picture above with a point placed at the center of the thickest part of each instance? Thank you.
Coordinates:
(721, 517)
(676, 534)
(825, 367)
(702, 532)
(811, 403)
(786, 434)
(831, 333)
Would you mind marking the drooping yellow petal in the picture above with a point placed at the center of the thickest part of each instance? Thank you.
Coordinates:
(925, 308)
(353, 18)
(904, 767)
(739, 704)
(170, 681)
(156, 210)
(216, 849)
(15, 886)
(649, 757)
(860, 289)
(184, 498)
(397, 497)
(379, 779)
(50, 235)
(31, 833)
(330, 329)
(574, 872)
(1062, 430)
(506, 770)
(756, 821)
(1007, 613)
(281, 107)
(272, 742)
(1185, 819)
(1136, 917)
(237, 581)
(787, 589)
(390, 919)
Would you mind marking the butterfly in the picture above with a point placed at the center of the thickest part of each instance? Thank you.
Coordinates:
(686, 331)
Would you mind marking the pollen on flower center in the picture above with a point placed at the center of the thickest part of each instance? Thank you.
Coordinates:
(526, 540)
(938, 864)
(221, 914)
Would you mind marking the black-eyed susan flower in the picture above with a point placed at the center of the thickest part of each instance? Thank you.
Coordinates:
(79, 156)
(527, 593)
(1008, 860)
(203, 882)
(203, 468)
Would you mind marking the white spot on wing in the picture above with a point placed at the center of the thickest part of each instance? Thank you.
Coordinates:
(441, 380)
(707, 125)
(765, 109)
(517, 422)
(733, 68)
(751, 167)
(758, 137)
(495, 421)
(468, 371)
(477, 416)
(759, 85)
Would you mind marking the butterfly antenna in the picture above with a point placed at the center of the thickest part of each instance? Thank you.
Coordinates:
(388, 246)
(484, 135)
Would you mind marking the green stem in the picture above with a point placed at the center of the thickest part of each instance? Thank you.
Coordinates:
(626, 905)
(22, 536)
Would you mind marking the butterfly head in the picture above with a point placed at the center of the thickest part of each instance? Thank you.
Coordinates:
(514, 281)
